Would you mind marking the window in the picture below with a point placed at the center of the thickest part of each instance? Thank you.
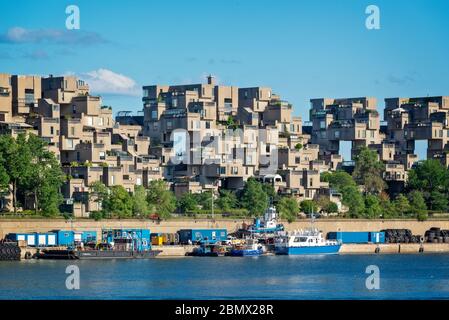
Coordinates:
(72, 131)
(100, 121)
(52, 130)
(322, 124)
(112, 179)
(154, 114)
(102, 155)
(175, 103)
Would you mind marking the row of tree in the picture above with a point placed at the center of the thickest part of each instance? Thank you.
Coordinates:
(158, 199)
(116, 201)
(29, 171)
(364, 193)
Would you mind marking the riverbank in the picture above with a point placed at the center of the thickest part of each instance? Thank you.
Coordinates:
(173, 225)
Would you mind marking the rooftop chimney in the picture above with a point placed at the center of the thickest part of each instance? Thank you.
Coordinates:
(210, 79)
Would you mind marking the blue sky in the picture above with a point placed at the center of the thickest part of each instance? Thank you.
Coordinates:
(302, 49)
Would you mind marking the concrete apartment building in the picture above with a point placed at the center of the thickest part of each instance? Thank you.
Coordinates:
(81, 132)
(202, 137)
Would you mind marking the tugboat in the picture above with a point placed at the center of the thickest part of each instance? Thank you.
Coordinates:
(268, 224)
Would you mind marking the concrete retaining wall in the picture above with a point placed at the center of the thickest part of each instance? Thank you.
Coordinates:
(394, 248)
(326, 225)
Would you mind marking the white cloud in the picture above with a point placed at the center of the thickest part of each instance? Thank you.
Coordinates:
(104, 81)
(51, 36)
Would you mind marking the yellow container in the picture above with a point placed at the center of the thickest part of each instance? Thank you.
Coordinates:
(157, 241)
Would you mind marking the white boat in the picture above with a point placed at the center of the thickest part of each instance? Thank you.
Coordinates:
(304, 242)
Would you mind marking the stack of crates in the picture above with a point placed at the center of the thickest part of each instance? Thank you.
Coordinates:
(159, 239)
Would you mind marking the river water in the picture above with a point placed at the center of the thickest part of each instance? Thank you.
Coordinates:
(406, 276)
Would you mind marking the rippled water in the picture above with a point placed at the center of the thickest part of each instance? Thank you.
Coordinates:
(424, 276)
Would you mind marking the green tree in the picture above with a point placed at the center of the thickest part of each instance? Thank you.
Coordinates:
(119, 202)
(353, 199)
(401, 205)
(438, 201)
(45, 177)
(418, 206)
(227, 200)
(388, 208)
(331, 207)
(373, 207)
(187, 202)
(309, 206)
(427, 176)
(270, 192)
(368, 171)
(288, 208)
(338, 179)
(140, 204)
(326, 205)
(16, 158)
(161, 200)
(254, 198)
(204, 200)
(98, 192)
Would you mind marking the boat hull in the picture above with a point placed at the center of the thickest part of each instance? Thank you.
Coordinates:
(115, 254)
(245, 253)
(330, 249)
(96, 254)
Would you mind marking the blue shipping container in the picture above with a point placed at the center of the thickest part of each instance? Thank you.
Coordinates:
(202, 235)
(89, 236)
(349, 237)
(69, 237)
(377, 237)
(65, 237)
(35, 239)
(357, 237)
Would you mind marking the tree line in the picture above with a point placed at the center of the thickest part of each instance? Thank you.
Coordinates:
(30, 172)
(252, 201)
(365, 191)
